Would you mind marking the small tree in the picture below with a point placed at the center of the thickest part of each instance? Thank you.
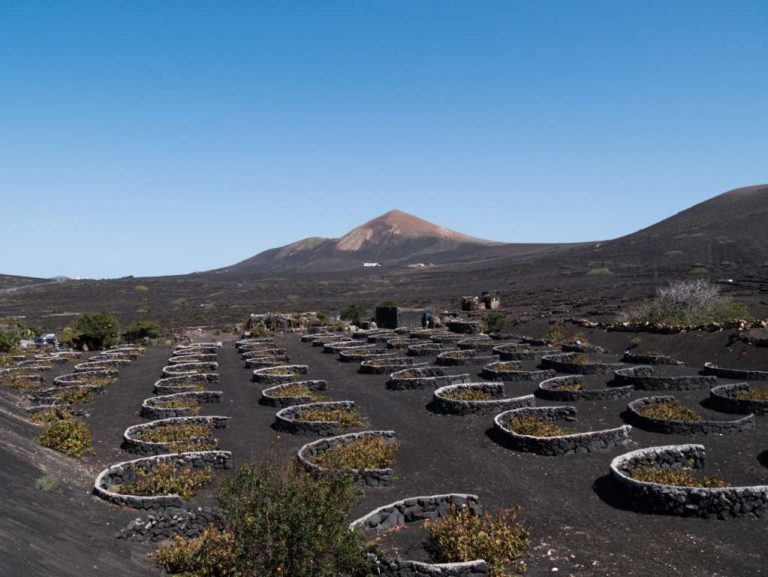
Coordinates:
(354, 314)
(97, 330)
(9, 340)
(141, 330)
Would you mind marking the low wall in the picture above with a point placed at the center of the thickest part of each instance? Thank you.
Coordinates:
(268, 398)
(81, 377)
(186, 359)
(563, 363)
(286, 419)
(383, 365)
(737, 374)
(723, 503)
(723, 398)
(272, 376)
(441, 403)
(355, 355)
(549, 391)
(496, 372)
(560, 445)
(648, 359)
(190, 368)
(513, 352)
(424, 378)
(133, 443)
(465, 357)
(149, 410)
(429, 349)
(266, 361)
(126, 472)
(477, 343)
(367, 477)
(669, 427)
(643, 378)
(161, 524)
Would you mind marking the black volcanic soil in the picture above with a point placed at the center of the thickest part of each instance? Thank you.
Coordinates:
(576, 521)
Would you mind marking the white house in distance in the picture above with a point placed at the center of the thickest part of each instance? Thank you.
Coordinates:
(371, 264)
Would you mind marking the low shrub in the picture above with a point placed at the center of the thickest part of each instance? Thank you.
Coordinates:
(346, 417)
(504, 366)
(494, 322)
(19, 381)
(468, 394)
(678, 476)
(752, 394)
(462, 535)
(363, 453)
(579, 360)
(71, 437)
(166, 479)
(97, 330)
(74, 396)
(689, 303)
(96, 380)
(141, 330)
(600, 271)
(47, 416)
(535, 426)
(555, 334)
(572, 387)
(277, 520)
(354, 313)
(670, 410)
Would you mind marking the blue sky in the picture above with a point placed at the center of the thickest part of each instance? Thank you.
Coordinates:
(166, 137)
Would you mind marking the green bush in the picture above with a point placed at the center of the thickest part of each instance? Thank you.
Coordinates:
(9, 340)
(355, 314)
(278, 520)
(462, 535)
(141, 330)
(689, 303)
(494, 322)
(97, 330)
(677, 476)
(71, 437)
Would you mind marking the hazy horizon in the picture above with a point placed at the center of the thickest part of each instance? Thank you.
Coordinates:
(156, 139)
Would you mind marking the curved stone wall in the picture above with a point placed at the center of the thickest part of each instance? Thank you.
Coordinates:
(268, 398)
(514, 352)
(258, 353)
(187, 359)
(643, 378)
(736, 374)
(399, 343)
(496, 371)
(286, 419)
(477, 343)
(150, 410)
(465, 357)
(381, 365)
(550, 391)
(183, 383)
(563, 363)
(335, 348)
(190, 368)
(429, 349)
(583, 348)
(357, 355)
(442, 403)
(703, 427)
(100, 365)
(49, 395)
(464, 327)
(424, 378)
(133, 443)
(126, 472)
(266, 361)
(367, 477)
(649, 359)
(80, 378)
(272, 376)
(416, 509)
(721, 503)
(723, 398)
(559, 445)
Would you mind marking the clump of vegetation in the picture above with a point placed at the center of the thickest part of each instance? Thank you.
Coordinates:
(468, 394)
(9, 340)
(600, 271)
(141, 330)
(670, 410)
(277, 520)
(752, 394)
(167, 479)
(494, 322)
(51, 415)
(462, 535)
(678, 476)
(363, 453)
(579, 360)
(572, 387)
(74, 396)
(535, 427)
(296, 390)
(689, 303)
(19, 381)
(354, 314)
(345, 416)
(96, 380)
(183, 436)
(555, 334)
(389, 303)
(191, 405)
(70, 436)
(97, 330)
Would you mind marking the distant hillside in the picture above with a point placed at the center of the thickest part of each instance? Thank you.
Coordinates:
(10, 281)
(394, 238)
